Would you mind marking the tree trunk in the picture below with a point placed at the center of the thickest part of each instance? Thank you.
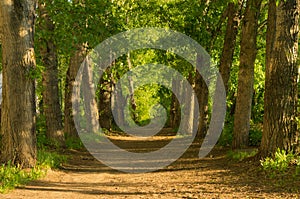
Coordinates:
(131, 91)
(75, 62)
(246, 75)
(105, 114)
(280, 111)
(51, 105)
(229, 42)
(175, 106)
(90, 104)
(188, 109)
(118, 104)
(201, 91)
(18, 106)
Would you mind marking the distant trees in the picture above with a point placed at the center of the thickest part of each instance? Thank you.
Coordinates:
(66, 33)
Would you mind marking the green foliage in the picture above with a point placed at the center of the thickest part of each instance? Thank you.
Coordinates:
(255, 135)
(12, 176)
(47, 160)
(241, 155)
(226, 136)
(280, 163)
(73, 143)
(42, 141)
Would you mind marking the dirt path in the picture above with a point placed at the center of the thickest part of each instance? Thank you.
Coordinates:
(188, 177)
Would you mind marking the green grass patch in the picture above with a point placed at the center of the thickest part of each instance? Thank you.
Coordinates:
(74, 143)
(241, 155)
(12, 176)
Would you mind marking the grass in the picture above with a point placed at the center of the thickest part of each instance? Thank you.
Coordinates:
(241, 155)
(12, 176)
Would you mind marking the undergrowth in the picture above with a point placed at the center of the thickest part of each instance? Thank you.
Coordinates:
(281, 164)
(12, 176)
(241, 155)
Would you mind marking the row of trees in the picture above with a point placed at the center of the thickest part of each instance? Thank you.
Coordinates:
(42, 50)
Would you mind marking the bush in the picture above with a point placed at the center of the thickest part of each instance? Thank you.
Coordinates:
(280, 163)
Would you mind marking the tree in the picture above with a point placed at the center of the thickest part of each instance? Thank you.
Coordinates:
(246, 75)
(105, 102)
(18, 144)
(48, 51)
(229, 41)
(75, 61)
(280, 105)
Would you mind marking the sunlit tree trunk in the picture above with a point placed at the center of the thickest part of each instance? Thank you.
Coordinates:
(51, 105)
(280, 111)
(18, 143)
(89, 92)
(188, 109)
(242, 114)
(131, 91)
(201, 91)
(75, 62)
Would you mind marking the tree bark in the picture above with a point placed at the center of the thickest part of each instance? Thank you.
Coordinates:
(246, 75)
(175, 113)
(280, 111)
(51, 105)
(131, 91)
(75, 62)
(90, 104)
(229, 42)
(188, 109)
(201, 91)
(105, 114)
(18, 143)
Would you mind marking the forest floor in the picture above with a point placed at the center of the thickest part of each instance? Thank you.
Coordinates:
(215, 176)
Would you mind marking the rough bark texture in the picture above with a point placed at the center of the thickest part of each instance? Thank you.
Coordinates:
(280, 112)
(188, 109)
(75, 62)
(201, 91)
(90, 104)
(229, 42)
(18, 143)
(246, 75)
(51, 105)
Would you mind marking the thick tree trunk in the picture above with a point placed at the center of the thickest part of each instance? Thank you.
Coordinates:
(280, 112)
(229, 42)
(188, 109)
(90, 104)
(18, 143)
(75, 62)
(246, 75)
(118, 104)
(51, 105)
(201, 91)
